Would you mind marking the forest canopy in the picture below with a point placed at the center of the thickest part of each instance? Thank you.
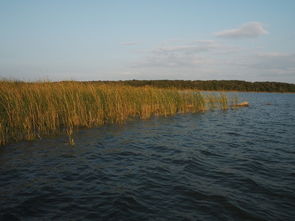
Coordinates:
(212, 85)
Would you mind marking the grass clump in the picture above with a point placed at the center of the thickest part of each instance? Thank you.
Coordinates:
(33, 110)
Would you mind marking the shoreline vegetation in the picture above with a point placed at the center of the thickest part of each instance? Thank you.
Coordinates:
(211, 85)
(34, 110)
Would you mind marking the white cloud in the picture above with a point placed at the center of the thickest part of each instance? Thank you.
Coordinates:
(273, 55)
(248, 30)
(188, 55)
(279, 61)
(196, 47)
(264, 66)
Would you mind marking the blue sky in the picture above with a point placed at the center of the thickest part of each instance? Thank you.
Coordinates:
(152, 39)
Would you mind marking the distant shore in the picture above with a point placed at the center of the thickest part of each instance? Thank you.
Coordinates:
(212, 85)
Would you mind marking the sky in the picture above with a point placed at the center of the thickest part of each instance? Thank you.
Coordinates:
(147, 40)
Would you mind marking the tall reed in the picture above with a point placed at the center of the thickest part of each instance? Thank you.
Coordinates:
(34, 110)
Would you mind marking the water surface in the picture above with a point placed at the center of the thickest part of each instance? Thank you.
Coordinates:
(219, 165)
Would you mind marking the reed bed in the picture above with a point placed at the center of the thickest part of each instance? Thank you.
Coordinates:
(34, 110)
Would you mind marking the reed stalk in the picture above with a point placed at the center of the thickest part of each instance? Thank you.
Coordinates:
(34, 110)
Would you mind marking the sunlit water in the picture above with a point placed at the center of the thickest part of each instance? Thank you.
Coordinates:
(232, 165)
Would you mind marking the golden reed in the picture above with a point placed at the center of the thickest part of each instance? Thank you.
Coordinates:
(33, 110)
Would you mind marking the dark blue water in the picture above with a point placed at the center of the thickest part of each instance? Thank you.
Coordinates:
(232, 165)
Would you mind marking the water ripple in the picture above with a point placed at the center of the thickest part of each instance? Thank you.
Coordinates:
(234, 165)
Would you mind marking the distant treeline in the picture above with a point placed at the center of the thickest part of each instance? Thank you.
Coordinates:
(212, 85)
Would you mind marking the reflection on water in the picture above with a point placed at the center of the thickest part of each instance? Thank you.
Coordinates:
(232, 165)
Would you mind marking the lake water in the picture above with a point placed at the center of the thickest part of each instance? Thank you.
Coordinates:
(218, 165)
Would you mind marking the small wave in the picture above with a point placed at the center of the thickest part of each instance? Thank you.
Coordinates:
(234, 165)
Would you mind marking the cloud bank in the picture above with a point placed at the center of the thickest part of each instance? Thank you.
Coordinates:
(190, 55)
(187, 55)
(209, 59)
(248, 30)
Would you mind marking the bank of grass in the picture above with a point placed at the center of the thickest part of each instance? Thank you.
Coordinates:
(34, 110)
